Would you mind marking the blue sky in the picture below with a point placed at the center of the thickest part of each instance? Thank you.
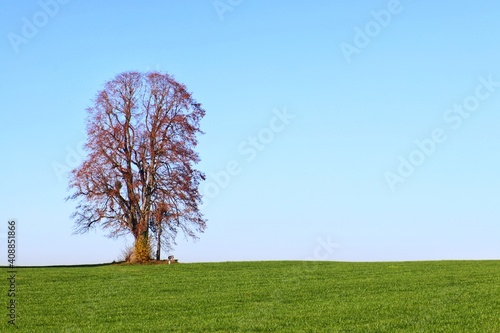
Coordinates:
(312, 107)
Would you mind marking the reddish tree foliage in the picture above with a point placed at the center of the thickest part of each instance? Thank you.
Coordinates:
(138, 176)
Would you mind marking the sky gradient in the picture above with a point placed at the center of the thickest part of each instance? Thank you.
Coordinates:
(334, 130)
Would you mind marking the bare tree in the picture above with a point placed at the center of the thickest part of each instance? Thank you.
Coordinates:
(138, 177)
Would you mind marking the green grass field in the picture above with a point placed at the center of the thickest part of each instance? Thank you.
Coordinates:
(447, 296)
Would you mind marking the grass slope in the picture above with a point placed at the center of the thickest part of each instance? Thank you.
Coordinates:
(448, 296)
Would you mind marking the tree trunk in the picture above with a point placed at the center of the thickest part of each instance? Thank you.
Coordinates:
(158, 245)
(142, 246)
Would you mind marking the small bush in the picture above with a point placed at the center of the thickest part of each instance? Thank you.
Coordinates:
(127, 253)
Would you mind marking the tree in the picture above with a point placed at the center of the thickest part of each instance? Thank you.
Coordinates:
(138, 177)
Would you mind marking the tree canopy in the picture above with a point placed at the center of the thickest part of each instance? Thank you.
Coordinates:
(139, 174)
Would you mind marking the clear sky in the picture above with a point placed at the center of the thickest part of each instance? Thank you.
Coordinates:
(337, 130)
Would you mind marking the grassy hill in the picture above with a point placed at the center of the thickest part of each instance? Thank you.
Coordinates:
(442, 296)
